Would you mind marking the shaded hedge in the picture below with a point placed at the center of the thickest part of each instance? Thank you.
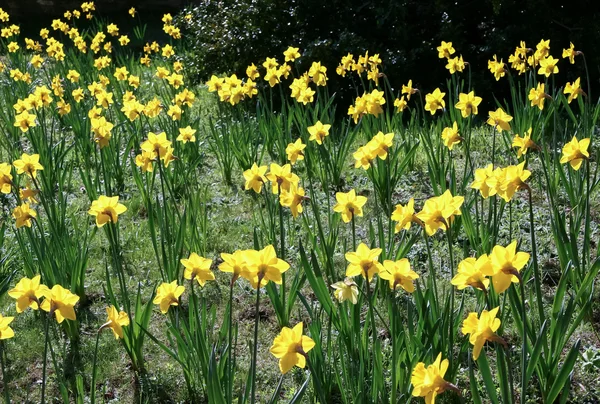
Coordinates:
(227, 35)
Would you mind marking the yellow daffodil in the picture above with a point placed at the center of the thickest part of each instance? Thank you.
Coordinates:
(291, 347)
(486, 181)
(234, 264)
(506, 264)
(293, 199)
(318, 132)
(401, 104)
(197, 267)
(28, 293)
(429, 381)
(5, 331)
(471, 273)
(548, 66)
(59, 302)
(445, 50)
(468, 103)
(570, 53)
(438, 212)
(345, 290)
(106, 209)
(399, 274)
(408, 90)
(574, 90)
(499, 120)
(295, 150)
(264, 266)
(575, 152)
(115, 320)
(363, 262)
(403, 216)
(291, 54)
(349, 205)
(255, 178)
(167, 295)
(537, 96)
(28, 164)
(435, 101)
(512, 180)
(23, 215)
(481, 329)
(523, 144)
(5, 178)
(450, 136)
(186, 134)
(24, 121)
(281, 178)
(380, 144)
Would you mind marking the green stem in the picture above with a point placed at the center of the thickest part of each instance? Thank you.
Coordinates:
(255, 348)
(282, 252)
(46, 342)
(394, 351)
(524, 348)
(372, 317)
(230, 336)
(94, 370)
(353, 233)
(4, 376)
(451, 314)
(536, 274)
(316, 381)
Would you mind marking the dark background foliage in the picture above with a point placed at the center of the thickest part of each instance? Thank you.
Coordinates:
(227, 35)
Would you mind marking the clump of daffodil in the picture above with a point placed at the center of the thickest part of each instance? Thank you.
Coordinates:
(471, 272)
(255, 178)
(403, 215)
(167, 295)
(429, 381)
(368, 104)
(468, 103)
(345, 290)
(506, 264)
(28, 293)
(264, 266)
(106, 209)
(349, 205)
(450, 136)
(363, 262)
(399, 274)
(438, 212)
(523, 144)
(435, 101)
(197, 267)
(59, 302)
(291, 348)
(28, 164)
(115, 320)
(482, 329)
(575, 152)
